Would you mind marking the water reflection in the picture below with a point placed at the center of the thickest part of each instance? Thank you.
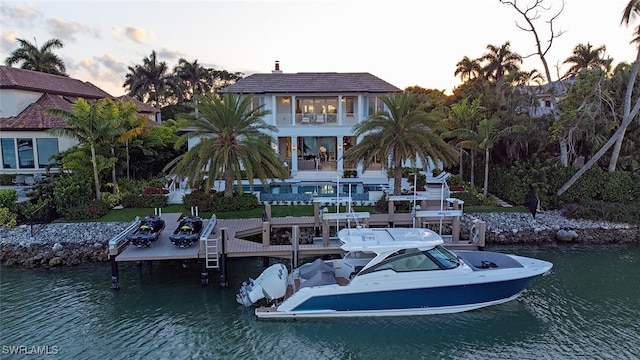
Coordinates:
(586, 308)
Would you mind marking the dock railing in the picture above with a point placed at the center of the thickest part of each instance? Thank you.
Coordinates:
(119, 242)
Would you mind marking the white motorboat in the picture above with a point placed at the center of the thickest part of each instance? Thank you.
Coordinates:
(388, 272)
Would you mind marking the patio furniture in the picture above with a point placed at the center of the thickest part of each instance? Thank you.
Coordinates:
(19, 180)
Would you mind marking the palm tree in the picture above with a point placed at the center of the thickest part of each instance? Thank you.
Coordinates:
(42, 59)
(468, 69)
(464, 117)
(233, 139)
(586, 57)
(90, 124)
(132, 129)
(485, 137)
(403, 132)
(194, 78)
(148, 82)
(500, 61)
(127, 126)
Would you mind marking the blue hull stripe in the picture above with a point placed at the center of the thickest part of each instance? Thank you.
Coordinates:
(418, 298)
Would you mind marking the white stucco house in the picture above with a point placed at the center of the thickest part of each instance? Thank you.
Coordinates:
(315, 114)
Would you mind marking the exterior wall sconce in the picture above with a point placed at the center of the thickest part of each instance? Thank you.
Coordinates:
(274, 147)
(339, 147)
(294, 148)
(286, 100)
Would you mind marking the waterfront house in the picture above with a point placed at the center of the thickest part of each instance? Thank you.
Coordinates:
(26, 147)
(315, 114)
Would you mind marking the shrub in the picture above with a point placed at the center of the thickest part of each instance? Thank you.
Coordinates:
(92, 210)
(203, 200)
(7, 218)
(214, 203)
(474, 197)
(609, 211)
(149, 191)
(618, 187)
(382, 205)
(8, 198)
(7, 179)
(72, 193)
(43, 210)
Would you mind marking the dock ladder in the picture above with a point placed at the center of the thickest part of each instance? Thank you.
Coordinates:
(211, 251)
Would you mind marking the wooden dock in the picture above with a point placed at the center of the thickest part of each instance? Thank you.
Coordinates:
(213, 251)
(238, 229)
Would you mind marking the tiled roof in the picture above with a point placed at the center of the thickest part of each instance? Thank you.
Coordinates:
(143, 108)
(58, 92)
(19, 79)
(311, 83)
(35, 118)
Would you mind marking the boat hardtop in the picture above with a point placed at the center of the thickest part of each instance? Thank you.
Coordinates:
(384, 239)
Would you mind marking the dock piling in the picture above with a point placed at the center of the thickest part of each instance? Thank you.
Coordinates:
(204, 274)
(115, 277)
(223, 258)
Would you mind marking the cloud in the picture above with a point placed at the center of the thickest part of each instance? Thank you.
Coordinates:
(138, 35)
(68, 30)
(8, 41)
(105, 71)
(112, 64)
(169, 55)
(20, 14)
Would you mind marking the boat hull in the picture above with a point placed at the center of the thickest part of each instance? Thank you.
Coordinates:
(402, 302)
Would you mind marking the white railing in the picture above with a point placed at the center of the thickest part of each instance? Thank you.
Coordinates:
(120, 241)
(211, 253)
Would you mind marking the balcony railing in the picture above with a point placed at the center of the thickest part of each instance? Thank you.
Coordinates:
(315, 120)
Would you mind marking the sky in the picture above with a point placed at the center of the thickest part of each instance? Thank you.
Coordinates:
(404, 42)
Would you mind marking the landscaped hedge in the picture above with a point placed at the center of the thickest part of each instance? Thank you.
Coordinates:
(591, 191)
(218, 203)
(92, 210)
(72, 194)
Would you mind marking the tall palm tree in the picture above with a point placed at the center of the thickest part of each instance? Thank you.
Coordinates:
(42, 59)
(233, 139)
(148, 82)
(468, 68)
(586, 57)
(403, 132)
(484, 138)
(194, 78)
(499, 61)
(127, 126)
(90, 124)
(464, 115)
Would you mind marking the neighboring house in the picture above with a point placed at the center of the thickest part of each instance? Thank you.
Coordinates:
(541, 96)
(315, 114)
(26, 147)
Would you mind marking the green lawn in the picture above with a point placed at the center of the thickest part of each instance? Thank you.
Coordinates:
(124, 215)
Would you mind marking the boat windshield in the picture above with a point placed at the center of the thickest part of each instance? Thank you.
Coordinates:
(444, 257)
(409, 260)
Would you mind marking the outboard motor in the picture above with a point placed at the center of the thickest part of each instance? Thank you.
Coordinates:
(271, 284)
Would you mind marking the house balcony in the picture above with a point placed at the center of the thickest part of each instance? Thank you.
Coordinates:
(311, 119)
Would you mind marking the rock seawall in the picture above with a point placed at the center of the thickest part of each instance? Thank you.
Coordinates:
(58, 244)
(76, 243)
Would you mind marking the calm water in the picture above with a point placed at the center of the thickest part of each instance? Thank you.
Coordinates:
(588, 308)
